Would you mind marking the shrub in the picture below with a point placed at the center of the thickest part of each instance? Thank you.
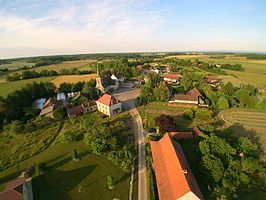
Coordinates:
(188, 114)
(111, 181)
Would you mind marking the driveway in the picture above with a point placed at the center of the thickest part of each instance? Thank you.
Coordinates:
(128, 95)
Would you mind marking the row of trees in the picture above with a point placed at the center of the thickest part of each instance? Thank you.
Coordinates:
(27, 74)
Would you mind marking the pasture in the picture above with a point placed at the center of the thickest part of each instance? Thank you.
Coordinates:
(8, 87)
(246, 122)
(73, 79)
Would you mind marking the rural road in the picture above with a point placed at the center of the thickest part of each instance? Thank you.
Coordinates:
(140, 139)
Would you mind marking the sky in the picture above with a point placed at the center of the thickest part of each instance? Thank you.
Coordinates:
(49, 27)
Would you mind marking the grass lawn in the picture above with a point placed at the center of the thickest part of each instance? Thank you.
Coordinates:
(246, 122)
(73, 79)
(8, 87)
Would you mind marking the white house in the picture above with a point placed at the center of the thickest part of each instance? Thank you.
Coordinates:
(109, 105)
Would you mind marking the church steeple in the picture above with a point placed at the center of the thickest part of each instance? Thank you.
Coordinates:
(98, 71)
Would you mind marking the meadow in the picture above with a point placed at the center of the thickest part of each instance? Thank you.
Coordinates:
(246, 122)
(8, 87)
(73, 79)
(65, 178)
(254, 70)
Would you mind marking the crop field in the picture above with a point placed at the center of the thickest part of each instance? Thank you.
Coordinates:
(73, 79)
(8, 87)
(16, 64)
(245, 122)
(254, 73)
(235, 81)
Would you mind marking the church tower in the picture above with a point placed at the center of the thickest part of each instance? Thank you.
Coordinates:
(99, 85)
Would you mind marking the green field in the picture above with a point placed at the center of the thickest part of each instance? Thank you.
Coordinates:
(254, 70)
(8, 87)
(246, 122)
(17, 64)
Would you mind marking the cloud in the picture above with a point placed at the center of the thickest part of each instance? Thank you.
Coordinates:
(85, 26)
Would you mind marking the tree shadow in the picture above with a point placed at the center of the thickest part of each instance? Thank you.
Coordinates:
(56, 184)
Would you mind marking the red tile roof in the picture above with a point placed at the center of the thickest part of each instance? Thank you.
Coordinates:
(194, 92)
(174, 177)
(211, 78)
(108, 100)
(173, 76)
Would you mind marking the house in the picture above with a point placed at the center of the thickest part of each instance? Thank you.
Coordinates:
(172, 77)
(118, 77)
(89, 106)
(174, 177)
(16, 190)
(190, 98)
(212, 80)
(50, 105)
(195, 132)
(105, 84)
(109, 105)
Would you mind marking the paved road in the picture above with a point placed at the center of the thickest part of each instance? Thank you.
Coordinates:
(140, 139)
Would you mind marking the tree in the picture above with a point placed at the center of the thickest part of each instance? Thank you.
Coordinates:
(222, 103)
(165, 123)
(161, 93)
(75, 156)
(65, 87)
(111, 181)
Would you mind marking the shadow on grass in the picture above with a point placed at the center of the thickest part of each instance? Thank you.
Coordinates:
(56, 184)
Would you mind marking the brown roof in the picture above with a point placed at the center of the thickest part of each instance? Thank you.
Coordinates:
(108, 100)
(52, 101)
(211, 78)
(173, 76)
(181, 135)
(47, 110)
(197, 131)
(13, 190)
(184, 97)
(75, 111)
(174, 177)
(194, 92)
(88, 104)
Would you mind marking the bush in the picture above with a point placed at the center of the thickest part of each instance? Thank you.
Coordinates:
(111, 181)
(16, 126)
(188, 114)
(68, 136)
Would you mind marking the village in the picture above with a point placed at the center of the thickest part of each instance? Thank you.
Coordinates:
(165, 162)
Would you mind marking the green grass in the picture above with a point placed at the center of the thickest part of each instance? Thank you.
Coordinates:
(9, 87)
(246, 122)
(16, 147)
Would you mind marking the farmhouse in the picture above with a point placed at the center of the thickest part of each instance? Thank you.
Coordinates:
(172, 77)
(89, 106)
(190, 98)
(105, 84)
(212, 80)
(50, 105)
(85, 107)
(109, 105)
(16, 190)
(174, 177)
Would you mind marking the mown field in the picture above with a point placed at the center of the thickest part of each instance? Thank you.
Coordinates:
(8, 87)
(246, 122)
(73, 79)
(254, 73)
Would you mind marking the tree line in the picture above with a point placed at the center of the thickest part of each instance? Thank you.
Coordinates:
(28, 74)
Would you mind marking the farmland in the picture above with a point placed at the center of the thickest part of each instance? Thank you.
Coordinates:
(17, 64)
(254, 70)
(8, 87)
(246, 122)
(73, 79)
